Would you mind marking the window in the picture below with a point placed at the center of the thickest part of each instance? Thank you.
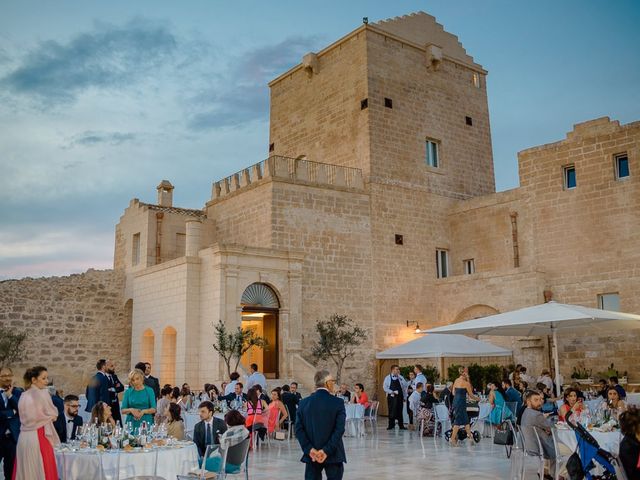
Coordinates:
(399, 239)
(364, 104)
(476, 80)
(135, 250)
(622, 166)
(569, 177)
(609, 301)
(469, 121)
(388, 103)
(442, 263)
(432, 154)
(469, 266)
(272, 147)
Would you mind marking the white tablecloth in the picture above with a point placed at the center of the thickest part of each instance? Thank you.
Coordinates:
(190, 420)
(354, 412)
(85, 465)
(609, 441)
(633, 399)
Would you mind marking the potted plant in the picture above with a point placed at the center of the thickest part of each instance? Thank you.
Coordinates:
(581, 375)
(612, 372)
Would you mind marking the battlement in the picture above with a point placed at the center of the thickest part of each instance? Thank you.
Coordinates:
(295, 170)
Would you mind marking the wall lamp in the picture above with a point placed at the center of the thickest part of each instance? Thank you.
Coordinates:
(414, 322)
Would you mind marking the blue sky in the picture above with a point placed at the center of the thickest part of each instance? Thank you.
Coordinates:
(99, 101)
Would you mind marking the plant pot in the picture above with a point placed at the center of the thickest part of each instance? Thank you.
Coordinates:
(583, 381)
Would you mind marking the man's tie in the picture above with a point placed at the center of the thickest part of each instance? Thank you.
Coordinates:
(207, 438)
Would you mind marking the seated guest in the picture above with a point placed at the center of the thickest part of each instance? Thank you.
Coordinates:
(207, 431)
(425, 413)
(210, 392)
(427, 398)
(290, 401)
(236, 397)
(223, 387)
(162, 408)
(522, 386)
(511, 394)
(232, 384)
(175, 394)
(571, 403)
(236, 433)
(446, 396)
(414, 398)
(545, 379)
(185, 397)
(277, 412)
(101, 415)
(261, 395)
(344, 393)
(613, 382)
(533, 418)
(256, 412)
(602, 388)
(614, 403)
(526, 378)
(549, 406)
(175, 424)
(499, 410)
(360, 396)
(68, 423)
(576, 386)
(630, 445)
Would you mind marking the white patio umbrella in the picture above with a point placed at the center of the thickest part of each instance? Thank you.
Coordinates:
(439, 346)
(546, 319)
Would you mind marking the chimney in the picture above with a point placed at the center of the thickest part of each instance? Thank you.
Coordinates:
(165, 194)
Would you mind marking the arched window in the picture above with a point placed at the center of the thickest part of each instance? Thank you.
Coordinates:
(148, 346)
(260, 295)
(168, 358)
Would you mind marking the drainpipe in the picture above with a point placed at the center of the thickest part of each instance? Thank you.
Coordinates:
(159, 217)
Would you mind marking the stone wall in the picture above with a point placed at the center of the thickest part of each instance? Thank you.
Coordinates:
(71, 321)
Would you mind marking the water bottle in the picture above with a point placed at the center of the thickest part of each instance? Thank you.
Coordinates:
(143, 434)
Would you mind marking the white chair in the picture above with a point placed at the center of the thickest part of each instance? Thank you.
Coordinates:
(236, 455)
(202, 473)
(290, 424)
(150, 471)
(510, 411)
(529, 452)
(484, 412)
(372, 418)
(441, 419)
(561, 459)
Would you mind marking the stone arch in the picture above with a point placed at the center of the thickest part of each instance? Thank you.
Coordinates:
(168, 356)
(260, 294)
(475, 311)
(147, 346)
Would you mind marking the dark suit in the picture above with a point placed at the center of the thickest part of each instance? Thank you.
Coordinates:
(9, 420)
(153, 383)
(231, 397)
(291, 401)
(199, 434)
(320, 425)
(62, 425)
(98, 391)
(115, 387)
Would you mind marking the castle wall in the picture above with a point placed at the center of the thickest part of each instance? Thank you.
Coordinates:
(71, 321)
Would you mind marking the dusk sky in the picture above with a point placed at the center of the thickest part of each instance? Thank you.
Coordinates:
(99, 101)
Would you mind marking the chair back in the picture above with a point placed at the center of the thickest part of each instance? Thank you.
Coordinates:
(528, 449)
(441, 412)
(208, 453)
(510, 408)
(620, 473)
(373, 409)
(237, 455)
(540, 451)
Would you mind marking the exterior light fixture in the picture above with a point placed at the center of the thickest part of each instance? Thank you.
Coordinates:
(411, 322)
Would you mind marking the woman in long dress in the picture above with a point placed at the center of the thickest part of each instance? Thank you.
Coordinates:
(461, 388)
(35, 458)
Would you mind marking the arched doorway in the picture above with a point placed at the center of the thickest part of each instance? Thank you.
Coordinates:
(260, 307)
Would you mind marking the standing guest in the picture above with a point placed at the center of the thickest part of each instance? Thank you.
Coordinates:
(395, 386)
(412, 380)
(162, 407)
(571, 403)
(630, 444)
(414, 398)
(294, 390)
(277, 412)
(613, 382)
(115, 387)
(232, 384)
(139, 402)
(59, 404)
(614, 403)
(34, 454)
(207, 431)
(527, 378)
(236, 396)
(98, 388)
(67, 424)
(360, 396)
(532, 421)
(255, 377)
(256, 412)
(319, 430)
(411, 386)
(149, 380)
(419, 372)
(9, 420)
(101, 415)
(344, 393)
(290, 401)
(175, 424)
(603, 388)
(461, 388)
(545, 377)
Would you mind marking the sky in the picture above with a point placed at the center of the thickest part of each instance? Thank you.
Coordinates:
(100, 101)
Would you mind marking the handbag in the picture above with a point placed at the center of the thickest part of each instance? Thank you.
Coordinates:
(574, 467)
(503, 435)
(280, 435)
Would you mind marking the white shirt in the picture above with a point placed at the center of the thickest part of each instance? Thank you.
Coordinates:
(420, 378)
(414, 402)
(387, 385)
(231, 387)
(256, 378)
(69, 423)
(546, 379)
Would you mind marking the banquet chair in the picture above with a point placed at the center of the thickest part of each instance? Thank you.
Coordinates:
(236, 455)
(442, 419)
(483, 417)
(290, 424)
(147, 475)
(517, 452)
(561, 459)
(529, 453)
(620, 473)
(372, 418)
(201, 473)
(510, 411)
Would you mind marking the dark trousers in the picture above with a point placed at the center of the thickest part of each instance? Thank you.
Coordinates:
(313, 471)
(115, 412)
(409, 412)
(395, 410)
(7, 453)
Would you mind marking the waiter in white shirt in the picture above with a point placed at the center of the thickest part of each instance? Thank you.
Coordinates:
(255, 377)
(395, 386)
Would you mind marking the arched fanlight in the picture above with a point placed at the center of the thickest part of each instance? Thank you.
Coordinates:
(260, 295)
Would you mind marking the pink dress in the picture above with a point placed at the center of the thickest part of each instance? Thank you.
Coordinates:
(274, 410)
(34, 455)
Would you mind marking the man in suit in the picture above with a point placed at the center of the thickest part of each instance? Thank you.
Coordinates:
(207, 431)
(236, 396)
(319, 429)
(68, 421)
(98, 388)
(294, 390)
(290, 401)
(115, 387)
(149, 380)
(9, 420)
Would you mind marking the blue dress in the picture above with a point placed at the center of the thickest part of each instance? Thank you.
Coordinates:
(496, 415)
(459, 405)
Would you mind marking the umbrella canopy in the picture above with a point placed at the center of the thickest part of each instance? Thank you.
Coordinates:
(438, 346)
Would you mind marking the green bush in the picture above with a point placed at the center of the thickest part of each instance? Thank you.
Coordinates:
(431, 372)
(480, 375)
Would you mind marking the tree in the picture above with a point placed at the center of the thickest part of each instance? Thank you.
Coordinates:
(232, 345)
(339, 338)
(11, 346)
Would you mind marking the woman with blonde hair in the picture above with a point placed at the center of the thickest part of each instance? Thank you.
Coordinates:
(102, 413)
(34, 454)
(139, 402)
(461, 389)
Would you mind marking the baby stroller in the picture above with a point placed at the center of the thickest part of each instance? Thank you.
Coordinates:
(591, 454)
(462, 435)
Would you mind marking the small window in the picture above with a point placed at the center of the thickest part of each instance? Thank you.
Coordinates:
(272, 147)
(432, 154)
(476, 80)
(469, 266)
(469, 121)
(622, 166)
(388, 103)
(364, 104)
(609, 301)
(569, 177)
(442, 263)
(135, 250)
(399, 239)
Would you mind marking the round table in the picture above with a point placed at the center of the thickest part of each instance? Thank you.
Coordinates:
(355, 419)
(609, 441)
(633, 399)
(171, 461)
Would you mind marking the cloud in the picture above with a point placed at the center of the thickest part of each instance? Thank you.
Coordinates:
(91, 138)
(243, 96)
(110, 56)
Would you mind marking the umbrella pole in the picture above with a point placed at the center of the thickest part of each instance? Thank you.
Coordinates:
(556, 362)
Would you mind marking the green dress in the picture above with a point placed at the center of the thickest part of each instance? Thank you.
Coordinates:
(142, 400)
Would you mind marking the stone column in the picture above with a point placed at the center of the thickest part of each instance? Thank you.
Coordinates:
(194, 229)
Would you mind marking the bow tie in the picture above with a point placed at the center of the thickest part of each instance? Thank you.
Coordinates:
(70, 421)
